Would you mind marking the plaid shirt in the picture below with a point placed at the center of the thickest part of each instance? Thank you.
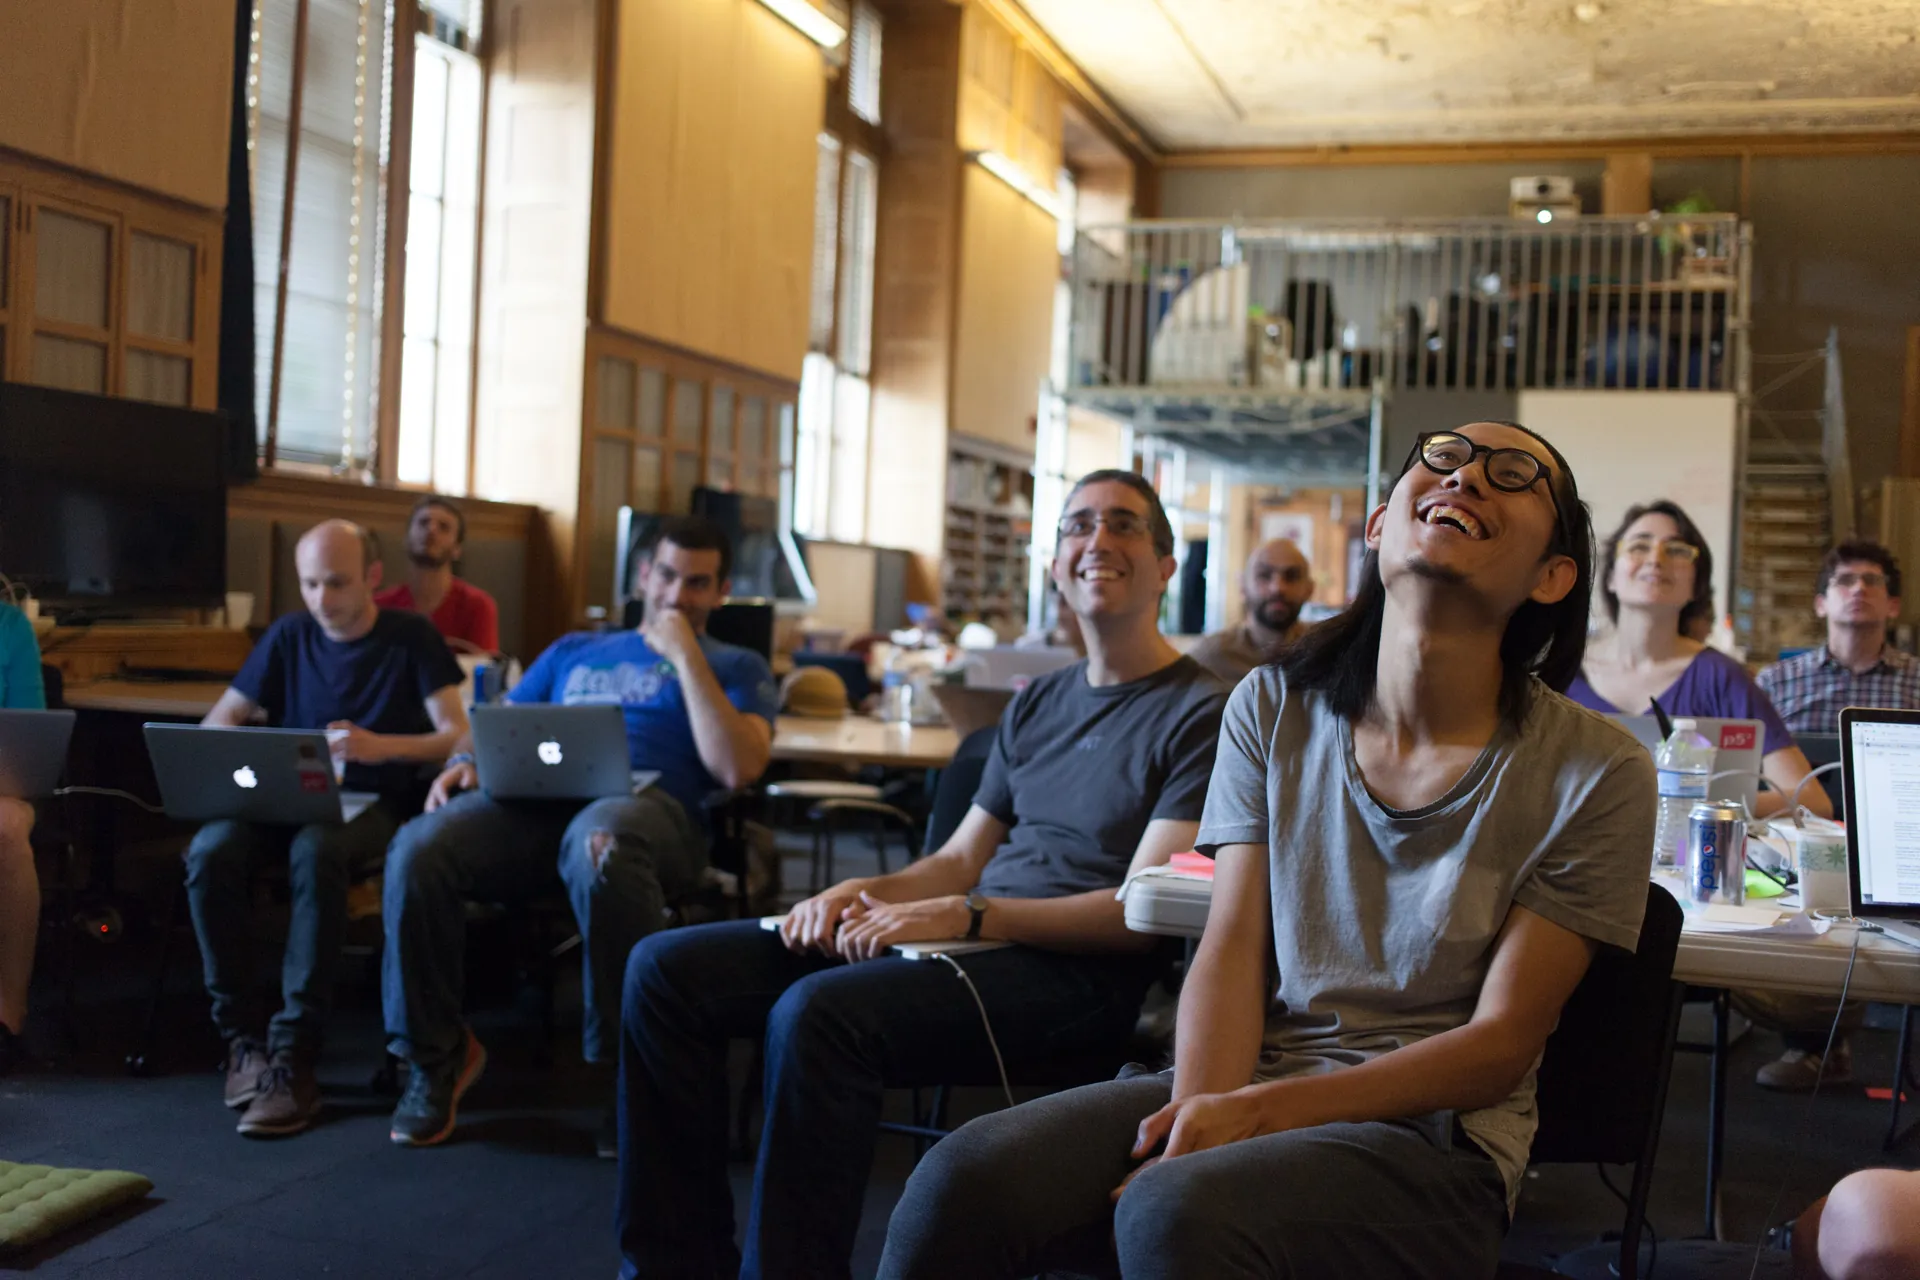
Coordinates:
(1811, 690)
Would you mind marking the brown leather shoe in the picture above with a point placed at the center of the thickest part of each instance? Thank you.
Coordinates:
(289, 1098)
(246, 1063)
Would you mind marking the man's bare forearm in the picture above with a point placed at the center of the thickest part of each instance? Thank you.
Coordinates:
(1093, 923)
(734, 750)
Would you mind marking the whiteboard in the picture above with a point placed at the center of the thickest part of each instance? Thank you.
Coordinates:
(1631, 447)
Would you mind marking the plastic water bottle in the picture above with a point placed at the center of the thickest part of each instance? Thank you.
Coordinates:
(1684, 762)
(895, 692)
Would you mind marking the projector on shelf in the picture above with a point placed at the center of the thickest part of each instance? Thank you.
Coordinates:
(1544, 198)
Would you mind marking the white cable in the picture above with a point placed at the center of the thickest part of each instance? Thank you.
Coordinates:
(110, 791)
(994, 1044)
(1806, 1124)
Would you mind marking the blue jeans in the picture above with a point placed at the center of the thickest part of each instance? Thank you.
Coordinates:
(837, 1036)
(321, 860)
(622, 861)
(1029, 1190)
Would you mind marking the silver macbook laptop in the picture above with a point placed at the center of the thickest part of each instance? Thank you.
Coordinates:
(1880, 761)
(33, 752)
(542, 751)
(282, 776)
(1737, 745)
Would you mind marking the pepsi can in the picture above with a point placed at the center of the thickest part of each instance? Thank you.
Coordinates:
(1717, 853)
(482, 676)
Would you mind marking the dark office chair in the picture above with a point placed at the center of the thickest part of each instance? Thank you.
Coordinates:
(1602, 1087)
(1824, 749)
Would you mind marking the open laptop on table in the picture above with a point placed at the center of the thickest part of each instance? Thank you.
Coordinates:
(543, 751)
(282, 776)
(1880, 761)
(1737, 745)
(33, 752)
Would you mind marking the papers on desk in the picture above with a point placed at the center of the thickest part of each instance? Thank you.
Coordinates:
(1193, 867)
(1768, 920)
(919, 950)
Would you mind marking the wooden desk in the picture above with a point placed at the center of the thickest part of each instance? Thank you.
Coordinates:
(862, 740)
(185, 700)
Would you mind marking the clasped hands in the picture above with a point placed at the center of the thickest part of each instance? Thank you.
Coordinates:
(1200, 1122)
(849, 922)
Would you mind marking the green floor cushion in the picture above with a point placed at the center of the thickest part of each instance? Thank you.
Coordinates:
(37, 1201)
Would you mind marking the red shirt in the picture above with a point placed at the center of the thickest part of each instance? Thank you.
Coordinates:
(468, 613)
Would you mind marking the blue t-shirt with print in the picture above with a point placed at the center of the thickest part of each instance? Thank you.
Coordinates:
(619, 667)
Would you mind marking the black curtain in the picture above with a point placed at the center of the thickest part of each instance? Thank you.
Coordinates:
(235, 387)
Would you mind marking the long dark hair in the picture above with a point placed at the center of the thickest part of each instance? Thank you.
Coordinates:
(1340, 657)
(1701, 604)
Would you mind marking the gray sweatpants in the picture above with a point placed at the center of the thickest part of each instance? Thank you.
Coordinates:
(1027, 1189)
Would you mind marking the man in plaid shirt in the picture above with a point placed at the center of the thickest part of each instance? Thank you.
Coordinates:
(1858, 595)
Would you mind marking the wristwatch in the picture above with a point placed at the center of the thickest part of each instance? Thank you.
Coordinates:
(976, 903)
(459, 757)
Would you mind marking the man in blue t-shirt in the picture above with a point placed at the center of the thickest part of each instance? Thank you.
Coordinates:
(386, 683)
(698, 711)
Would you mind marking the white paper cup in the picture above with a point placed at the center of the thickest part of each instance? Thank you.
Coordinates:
(1820, 860)
(239, 610)
(339, 765)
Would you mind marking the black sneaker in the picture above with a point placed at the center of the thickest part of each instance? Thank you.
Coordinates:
(431, 1104)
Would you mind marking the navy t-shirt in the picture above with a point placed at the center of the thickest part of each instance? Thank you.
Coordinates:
(1077, 772)
(621, 669)
(381, 682)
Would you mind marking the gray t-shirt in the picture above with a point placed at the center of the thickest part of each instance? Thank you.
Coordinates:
(1384, 921)
(1077, 772)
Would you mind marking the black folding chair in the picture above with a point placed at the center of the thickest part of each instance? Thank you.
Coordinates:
(1603, 1079)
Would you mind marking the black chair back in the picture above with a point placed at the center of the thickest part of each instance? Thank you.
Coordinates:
(953, 795)
(1603, 1080)
(1824, 748)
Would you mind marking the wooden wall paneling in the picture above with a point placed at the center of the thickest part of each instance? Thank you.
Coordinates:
(11, 215)
(916, 274)
(707, 225)
(1547, 152)
(71, 294)
(529, 431)
(1003, 327)
(1910, 408)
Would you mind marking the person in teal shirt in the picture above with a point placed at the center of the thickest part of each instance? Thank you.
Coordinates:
(20, 690)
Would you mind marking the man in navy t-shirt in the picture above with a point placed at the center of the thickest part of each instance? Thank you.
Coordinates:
(387, 683)
(698, 711)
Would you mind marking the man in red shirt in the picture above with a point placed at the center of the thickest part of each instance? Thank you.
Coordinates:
(464, 615)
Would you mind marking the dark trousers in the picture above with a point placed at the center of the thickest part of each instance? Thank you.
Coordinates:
(622, 861)
(1029, 1190)
(321, 860)
(837, 1036)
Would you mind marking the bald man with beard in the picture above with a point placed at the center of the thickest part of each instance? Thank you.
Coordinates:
(1276, 583)
(385, 679)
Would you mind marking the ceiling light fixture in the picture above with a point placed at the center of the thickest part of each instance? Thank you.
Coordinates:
(1017, 178)
(809, 22)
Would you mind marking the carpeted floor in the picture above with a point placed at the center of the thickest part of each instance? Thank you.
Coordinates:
(519, 1192)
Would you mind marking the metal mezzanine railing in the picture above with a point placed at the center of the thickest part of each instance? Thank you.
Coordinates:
(1283, 309)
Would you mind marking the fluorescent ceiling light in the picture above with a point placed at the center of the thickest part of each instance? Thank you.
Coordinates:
(809, 22)
(1016, 177)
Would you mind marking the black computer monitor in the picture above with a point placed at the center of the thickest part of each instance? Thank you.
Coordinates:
(110, 505)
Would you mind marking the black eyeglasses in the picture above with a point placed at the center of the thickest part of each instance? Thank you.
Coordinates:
(1509, 470)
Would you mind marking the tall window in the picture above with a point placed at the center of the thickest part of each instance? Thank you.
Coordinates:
(316, 354)
(443, 220)
(835, 409)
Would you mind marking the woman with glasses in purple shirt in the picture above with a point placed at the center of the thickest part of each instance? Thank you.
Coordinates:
(1656, 580)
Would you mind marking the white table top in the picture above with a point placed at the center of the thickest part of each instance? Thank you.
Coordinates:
(1885, 970)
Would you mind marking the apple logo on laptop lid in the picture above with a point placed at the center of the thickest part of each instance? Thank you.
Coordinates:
(549, 752)
(244, 776)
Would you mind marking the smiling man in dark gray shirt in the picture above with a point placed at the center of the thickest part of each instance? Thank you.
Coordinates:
(1095, 770)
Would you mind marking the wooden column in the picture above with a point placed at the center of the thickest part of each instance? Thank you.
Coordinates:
(1627, 186)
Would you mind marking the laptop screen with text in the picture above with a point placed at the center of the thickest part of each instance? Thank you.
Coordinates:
(1883, 787)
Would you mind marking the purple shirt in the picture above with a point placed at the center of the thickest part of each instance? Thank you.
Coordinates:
(1712, 685)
